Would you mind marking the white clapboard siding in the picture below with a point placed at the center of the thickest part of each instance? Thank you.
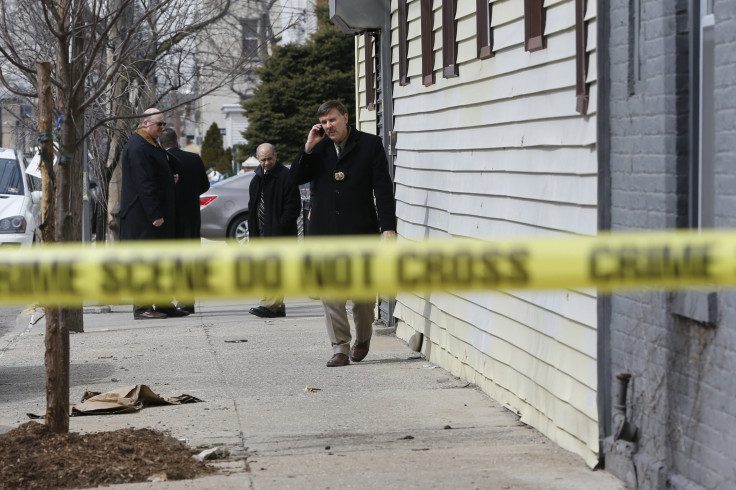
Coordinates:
(500, 152)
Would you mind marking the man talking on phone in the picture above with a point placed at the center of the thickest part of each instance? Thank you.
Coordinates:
(352, 194)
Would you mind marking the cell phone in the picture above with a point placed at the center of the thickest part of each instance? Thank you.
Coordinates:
(321, 131)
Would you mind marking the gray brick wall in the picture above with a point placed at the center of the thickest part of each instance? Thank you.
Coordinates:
(683, 390)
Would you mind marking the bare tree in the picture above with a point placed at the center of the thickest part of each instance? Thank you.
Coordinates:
(110, 59)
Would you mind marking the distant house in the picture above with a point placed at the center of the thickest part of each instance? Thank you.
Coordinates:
(252, 31)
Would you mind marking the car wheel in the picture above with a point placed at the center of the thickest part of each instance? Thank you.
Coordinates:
(239, 229)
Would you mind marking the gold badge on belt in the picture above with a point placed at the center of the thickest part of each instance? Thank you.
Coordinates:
(339, 175)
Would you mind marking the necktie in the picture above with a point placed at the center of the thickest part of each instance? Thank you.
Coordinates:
(338, 150)
(261, 214)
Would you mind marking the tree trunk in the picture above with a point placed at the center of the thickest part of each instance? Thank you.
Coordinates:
(56, 355)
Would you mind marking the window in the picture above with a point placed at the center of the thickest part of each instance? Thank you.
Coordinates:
(700, 305)
(11, 180)
(427, 18)
(449, 43)
(534, 25)
(370, 88)
(250, 37)
(403, 43)
(484, 38)
(581, 58)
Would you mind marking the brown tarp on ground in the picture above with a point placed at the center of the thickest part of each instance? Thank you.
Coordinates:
(123, 400)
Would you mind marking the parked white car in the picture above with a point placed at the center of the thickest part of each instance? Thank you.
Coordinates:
(20, 201)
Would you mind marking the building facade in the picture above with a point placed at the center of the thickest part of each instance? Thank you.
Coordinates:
(669, 163)
(566, 117)
(493, 133)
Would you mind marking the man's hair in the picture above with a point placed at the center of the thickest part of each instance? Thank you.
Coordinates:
(265, 147)
(148, 113)
(329, 105)
(168, 138)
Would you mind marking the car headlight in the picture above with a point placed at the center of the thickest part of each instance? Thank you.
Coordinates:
(13, 224)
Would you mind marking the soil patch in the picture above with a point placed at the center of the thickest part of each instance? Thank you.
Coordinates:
(33, 457)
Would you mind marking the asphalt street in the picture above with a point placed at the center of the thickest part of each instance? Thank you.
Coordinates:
(8, 314)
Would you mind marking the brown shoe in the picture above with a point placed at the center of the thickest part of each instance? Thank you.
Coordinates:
(359, 351)
(338, 360)
(149, 314)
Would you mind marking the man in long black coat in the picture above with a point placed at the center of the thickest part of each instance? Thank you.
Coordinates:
(192, 182)
(275, 216)
(352, 194)
(147, 201)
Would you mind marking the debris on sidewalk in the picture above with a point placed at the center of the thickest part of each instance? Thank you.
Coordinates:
(123, 400)
(309, 388)
(212, 453)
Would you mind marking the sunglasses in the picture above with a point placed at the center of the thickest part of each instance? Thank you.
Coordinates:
(160, 124)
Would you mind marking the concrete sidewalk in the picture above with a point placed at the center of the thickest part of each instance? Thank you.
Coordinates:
(391, 421)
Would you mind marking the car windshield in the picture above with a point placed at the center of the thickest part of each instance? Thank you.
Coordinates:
(11, 180)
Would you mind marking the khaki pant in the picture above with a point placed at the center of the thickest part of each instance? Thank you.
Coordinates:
(338, 327)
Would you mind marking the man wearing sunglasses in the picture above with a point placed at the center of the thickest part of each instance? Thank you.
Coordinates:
(148, 200)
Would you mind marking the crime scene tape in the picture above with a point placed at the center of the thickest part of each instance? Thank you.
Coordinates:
(362, 267)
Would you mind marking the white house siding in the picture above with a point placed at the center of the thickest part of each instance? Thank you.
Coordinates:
(501, 151)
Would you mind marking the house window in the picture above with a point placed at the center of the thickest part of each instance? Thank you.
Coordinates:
(581, 58)
(370, 87)
(534, 25)
(484, 38)
(403, 43)
(449, 43)
(427, 18)
(249, 29)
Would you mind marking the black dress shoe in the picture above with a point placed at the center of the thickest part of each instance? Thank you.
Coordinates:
(188, 308)
(149, 314)
(338, 360)
(359, 351)
(173, 312)
(264, 312)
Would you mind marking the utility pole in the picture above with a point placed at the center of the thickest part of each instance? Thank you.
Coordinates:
(57, 344)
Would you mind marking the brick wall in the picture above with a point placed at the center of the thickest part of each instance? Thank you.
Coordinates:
(683, 390)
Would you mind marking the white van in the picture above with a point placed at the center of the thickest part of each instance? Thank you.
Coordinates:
(20, 201)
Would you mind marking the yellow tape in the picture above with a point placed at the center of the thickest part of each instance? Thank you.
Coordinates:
(362, 267)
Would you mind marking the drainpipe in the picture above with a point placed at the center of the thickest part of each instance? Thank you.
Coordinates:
(622, 428)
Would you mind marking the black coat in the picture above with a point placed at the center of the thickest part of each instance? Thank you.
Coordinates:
(347, 206)
(281, 200)
(192, 182)
(147, 192)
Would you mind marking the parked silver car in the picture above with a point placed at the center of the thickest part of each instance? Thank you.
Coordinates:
(224, 209)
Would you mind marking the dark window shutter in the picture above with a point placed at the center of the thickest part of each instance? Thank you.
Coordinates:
(534, 25)
(581, 58)
(484, 38)
(449, 40)
(427, 18)
(370, 73)
(403, 43)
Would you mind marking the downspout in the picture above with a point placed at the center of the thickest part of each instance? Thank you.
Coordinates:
(603, 146)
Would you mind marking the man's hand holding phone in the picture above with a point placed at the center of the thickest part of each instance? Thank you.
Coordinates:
(316, 134)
